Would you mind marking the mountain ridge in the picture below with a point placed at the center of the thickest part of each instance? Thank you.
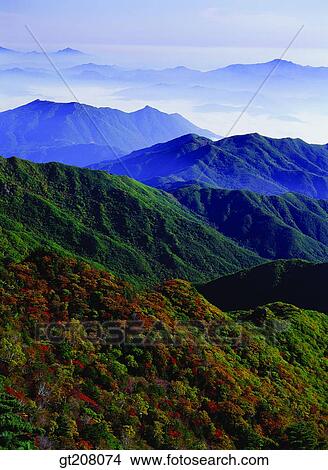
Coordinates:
(65, 51)
(232, 67)
(43, 125)
(250, 161)
(284, 226)
(88, 214)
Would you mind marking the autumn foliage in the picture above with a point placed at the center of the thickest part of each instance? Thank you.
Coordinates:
(183, 375)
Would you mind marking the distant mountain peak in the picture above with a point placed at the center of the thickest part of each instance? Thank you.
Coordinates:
(70, 51)
(259, 65)
(38, 102)
(5, 50)
(148, 110)
(192, 137)
(282, 62)
(147, 107)
(179, 68)
(15, 70)
(54, 103)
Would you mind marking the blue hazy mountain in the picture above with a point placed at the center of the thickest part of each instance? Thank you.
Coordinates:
(294, 94)
(68, 51)
(112, 72)
(93, 71)
(235, 76)
(4, 50)
(46, 131)
(63, 58)
(281, 69)
(17, 73)
(254, 162)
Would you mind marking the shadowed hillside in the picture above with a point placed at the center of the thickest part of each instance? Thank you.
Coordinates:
(297, 282)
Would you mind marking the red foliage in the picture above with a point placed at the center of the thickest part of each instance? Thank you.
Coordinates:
(218, 433)
(34, 309)
(173, 433)
(78, 363)
(85, 445)
(212, 406)
(168, 402)
(132, 412)
(14, 393)
(81, 396)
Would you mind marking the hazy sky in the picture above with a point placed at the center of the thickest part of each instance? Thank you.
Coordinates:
(203, 33)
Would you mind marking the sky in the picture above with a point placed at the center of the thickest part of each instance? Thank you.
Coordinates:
(154, 33)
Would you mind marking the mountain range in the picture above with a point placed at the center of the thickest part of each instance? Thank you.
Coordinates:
(232, 74)
(254, 162)
(294, 93)
(46, 131)
(134, 231)
(68, 51)
(168, 290)
(283, 69)
(149, 317)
